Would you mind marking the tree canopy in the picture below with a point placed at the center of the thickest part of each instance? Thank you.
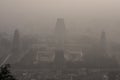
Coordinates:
(5, 73)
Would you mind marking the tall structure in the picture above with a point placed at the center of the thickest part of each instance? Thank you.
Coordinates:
(103, 39)
(60, 34)
(16, 41)
(59, 43)
(14, 58)
(103, 43)
(106, 60)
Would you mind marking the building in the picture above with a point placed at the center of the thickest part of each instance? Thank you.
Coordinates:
(59, 43)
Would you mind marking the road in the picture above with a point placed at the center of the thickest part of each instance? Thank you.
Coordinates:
(5, 59)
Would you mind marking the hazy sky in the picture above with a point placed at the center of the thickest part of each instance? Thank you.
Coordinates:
(79, 15)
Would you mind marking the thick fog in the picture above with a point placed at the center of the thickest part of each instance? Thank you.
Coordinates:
(81, 16)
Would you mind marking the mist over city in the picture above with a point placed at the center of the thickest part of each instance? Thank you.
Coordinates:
(59, 40)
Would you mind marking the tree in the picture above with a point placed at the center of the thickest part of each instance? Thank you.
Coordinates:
(5, 73)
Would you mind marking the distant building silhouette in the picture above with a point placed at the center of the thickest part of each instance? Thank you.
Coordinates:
(16, 41)
(103, 39)
(15, 52)
(60, 34)
(103, 43)
(59, 43)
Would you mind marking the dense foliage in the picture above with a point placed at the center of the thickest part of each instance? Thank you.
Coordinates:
(5, 73)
